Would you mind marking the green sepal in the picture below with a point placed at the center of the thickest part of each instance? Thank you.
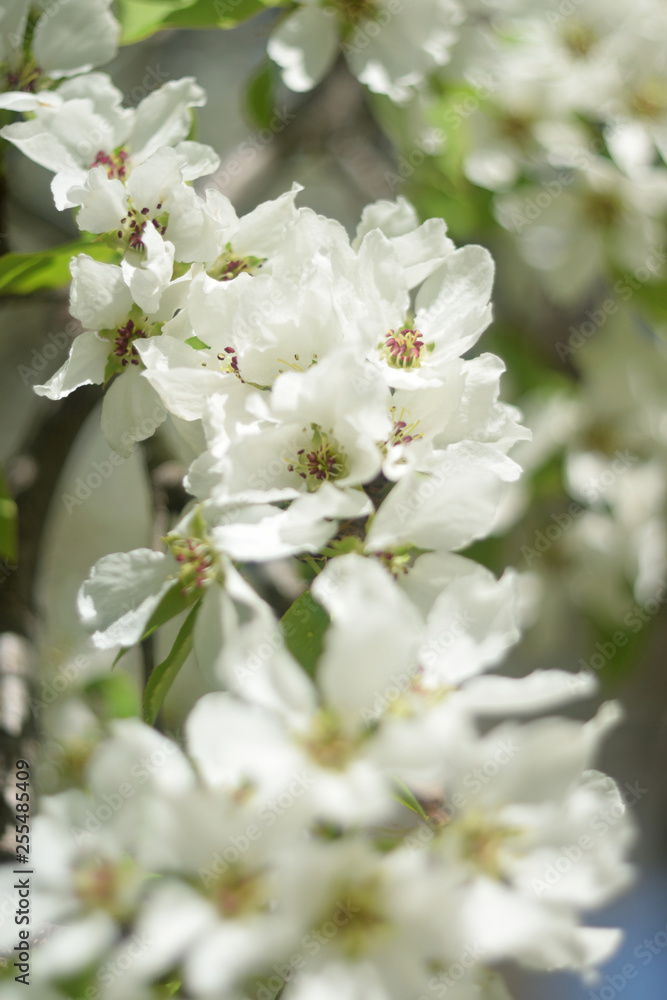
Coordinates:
(198, 344)
(164, 675)
(407, 798)
(304, 625)
(173, 603)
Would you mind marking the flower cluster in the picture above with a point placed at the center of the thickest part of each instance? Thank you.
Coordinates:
(570, 131)
(350, 814)
(560, 113)
(390, 45)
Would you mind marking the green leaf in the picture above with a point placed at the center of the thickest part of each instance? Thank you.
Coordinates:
(24, 273)
(114, 696)
(198, 344)
(260, 98)
(172, 604)
(652, 300)
(215, 13)
(141, 18)
(8, 523)
(304, 625)
(165, 673)
(407, 798)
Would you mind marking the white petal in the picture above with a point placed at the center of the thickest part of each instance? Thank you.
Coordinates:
(196, 159)
(453, 304)
(18, 100)
(84, 366)
(131, 411)
(103, 202)
(131, 746)
(121, 593)
(305, 46)
(148, 273)
(163, 118)
(99, 297)
(178, 374)
(72, 36)
(393, 218)
(372, 638)
(447, 510)
(538, 692)
(232, 742)
(261, 533)
(262, 231)
(470, 626)
(73, 947)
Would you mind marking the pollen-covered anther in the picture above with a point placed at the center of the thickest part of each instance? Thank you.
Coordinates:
(238, 893)
(403, 432)
(135, 222)
(324, 461)
(114, 163)
(229, 362)
(28, 78)
(403, 348)
(104, 884)
(396, 563)
(328, 744)
(198, 561)
(124, 343)
(229, 265)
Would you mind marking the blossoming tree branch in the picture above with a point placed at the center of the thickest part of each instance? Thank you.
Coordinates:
(361, 803)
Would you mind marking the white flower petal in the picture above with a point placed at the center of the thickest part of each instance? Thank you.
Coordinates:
(305, 46)
(75, 35)
(121, 593)
(131, 411)
(84, 366)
